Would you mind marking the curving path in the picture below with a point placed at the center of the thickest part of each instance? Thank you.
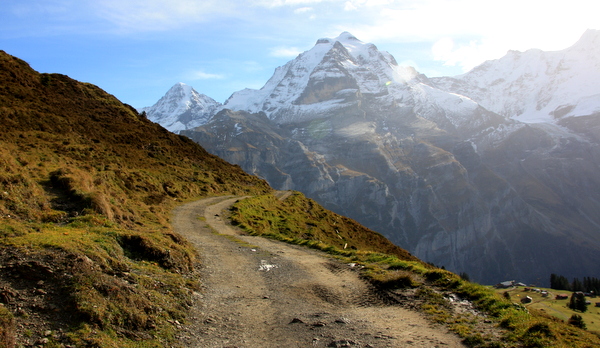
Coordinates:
(263, 293)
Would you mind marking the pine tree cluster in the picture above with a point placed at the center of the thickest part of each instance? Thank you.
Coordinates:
(588, 285)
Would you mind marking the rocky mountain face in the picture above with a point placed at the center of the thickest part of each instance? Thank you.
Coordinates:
(436, 172)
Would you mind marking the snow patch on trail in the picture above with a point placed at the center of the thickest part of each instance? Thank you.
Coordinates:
(266, 266)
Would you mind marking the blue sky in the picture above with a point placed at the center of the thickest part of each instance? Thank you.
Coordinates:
(138, 49)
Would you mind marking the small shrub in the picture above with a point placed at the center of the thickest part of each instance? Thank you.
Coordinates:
(577, 320)
(538, 335)
(394, 280)
(435, 275)
(473, 340)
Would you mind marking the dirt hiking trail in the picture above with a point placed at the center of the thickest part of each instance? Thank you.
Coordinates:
(263, 293)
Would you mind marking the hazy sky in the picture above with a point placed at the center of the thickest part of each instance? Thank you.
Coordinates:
(138, 49)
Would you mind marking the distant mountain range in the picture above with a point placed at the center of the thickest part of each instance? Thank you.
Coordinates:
(536, 86)
(493, 172)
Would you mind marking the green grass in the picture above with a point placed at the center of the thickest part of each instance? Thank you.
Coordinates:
(557, 308)
(302, 221)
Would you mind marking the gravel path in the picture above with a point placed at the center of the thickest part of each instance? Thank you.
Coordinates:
(263, 293)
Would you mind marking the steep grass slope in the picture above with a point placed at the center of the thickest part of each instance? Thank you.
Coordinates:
(86, 186)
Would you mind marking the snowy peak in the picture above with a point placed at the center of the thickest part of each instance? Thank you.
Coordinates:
(342, 72)
(182, 107)
(347, 37)
(590, 38)
(536, 86)
(344, 38)
(182, 97)
(329, 75)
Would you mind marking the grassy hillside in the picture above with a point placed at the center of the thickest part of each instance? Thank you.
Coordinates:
(86, 188)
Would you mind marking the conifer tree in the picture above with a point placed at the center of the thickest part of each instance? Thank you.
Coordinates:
(577, 302)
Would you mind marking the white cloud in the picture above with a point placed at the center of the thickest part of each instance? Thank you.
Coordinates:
(303, 10)
(301, 2)
(153, 15)
(161, 15)
(350, 6)
(478, 30)
(49, 8)
(201, 75)
(285, 52)
(281, 3)
(368, 3)
(442, 48)
(467, 56)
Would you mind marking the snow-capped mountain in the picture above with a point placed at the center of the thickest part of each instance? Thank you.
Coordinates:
(342, 74)
(182, 108)
(536, 86)
(326, 77)
(433, 170)
(334, 74)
